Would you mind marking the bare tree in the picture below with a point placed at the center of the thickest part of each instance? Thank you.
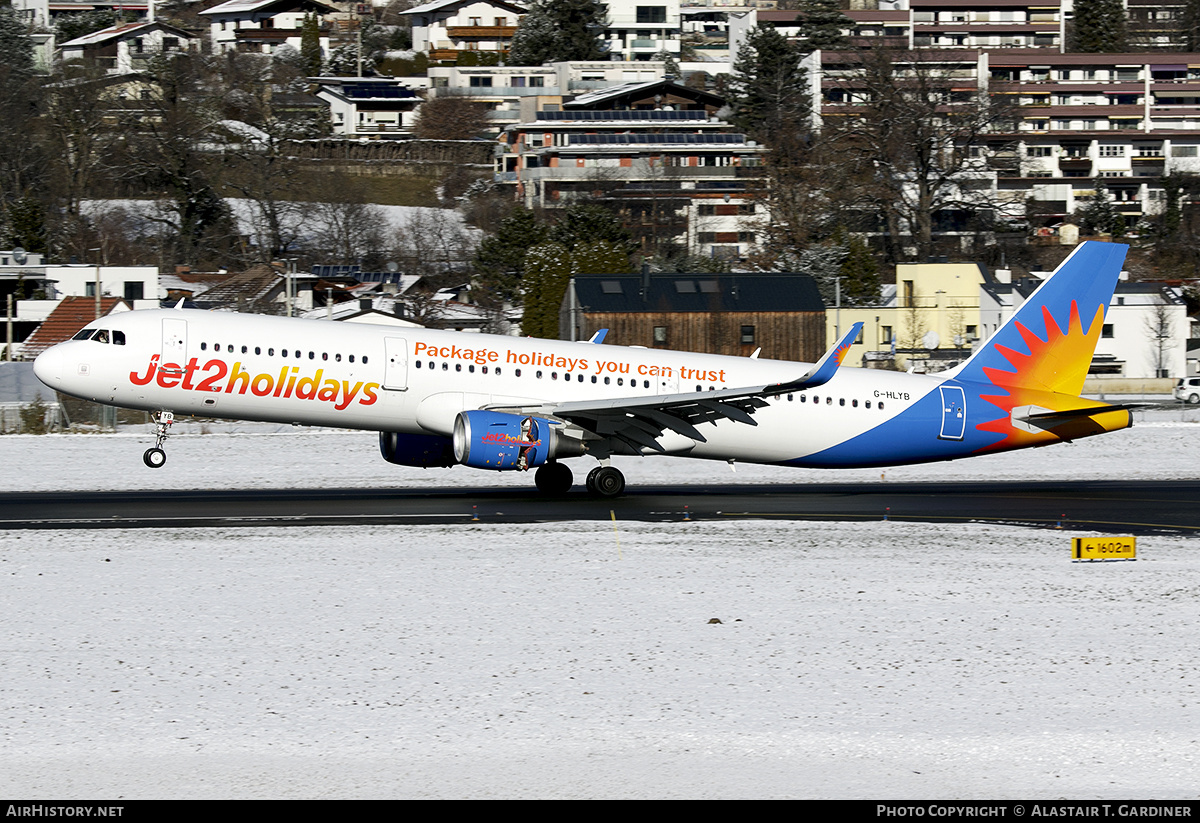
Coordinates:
(348, 233)
(163, 149)
(430, 242)
(918, 140)
(1160, 329)
(450, 117)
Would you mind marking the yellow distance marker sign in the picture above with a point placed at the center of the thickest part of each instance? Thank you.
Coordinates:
(1104, 548)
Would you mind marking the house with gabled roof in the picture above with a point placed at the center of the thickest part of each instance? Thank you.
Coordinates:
(261, 289)
(261, 26)
(128, 47)
(443, 28)
(360, 106)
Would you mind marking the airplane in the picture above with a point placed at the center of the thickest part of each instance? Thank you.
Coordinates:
(501, 403)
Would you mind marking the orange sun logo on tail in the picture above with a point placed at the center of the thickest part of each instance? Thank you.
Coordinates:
(1048, 378)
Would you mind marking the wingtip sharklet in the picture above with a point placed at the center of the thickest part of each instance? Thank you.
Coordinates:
(825, 368)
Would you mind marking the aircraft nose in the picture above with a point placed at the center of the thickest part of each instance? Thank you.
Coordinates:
(48, 366)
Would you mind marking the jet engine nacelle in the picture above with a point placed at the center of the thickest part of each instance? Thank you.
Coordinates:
(425, 451)
(508, 442)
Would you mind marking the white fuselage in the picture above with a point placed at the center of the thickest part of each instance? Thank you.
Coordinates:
(381, 378)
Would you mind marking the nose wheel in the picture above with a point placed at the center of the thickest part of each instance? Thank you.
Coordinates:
(156, 457)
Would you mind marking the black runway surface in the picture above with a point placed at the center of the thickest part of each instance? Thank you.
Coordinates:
(1138, 507)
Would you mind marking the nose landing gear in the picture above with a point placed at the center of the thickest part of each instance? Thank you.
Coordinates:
(155, 457)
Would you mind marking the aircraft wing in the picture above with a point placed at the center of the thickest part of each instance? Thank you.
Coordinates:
(638, 422)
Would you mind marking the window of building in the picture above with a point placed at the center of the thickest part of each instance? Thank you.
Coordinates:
(747, 335)
(652, 14)
(134, 290)
(1107, 330)
(481, 82)
(660, 336)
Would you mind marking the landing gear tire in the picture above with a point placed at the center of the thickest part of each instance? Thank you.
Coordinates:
(553, 479)
(155, 457)
(605, 481)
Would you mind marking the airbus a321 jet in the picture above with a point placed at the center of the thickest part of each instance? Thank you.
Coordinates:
(441, 398)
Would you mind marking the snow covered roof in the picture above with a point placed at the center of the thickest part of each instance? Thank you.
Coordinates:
(605, 95)
(119, 31)
(253, 6)
(438, 5)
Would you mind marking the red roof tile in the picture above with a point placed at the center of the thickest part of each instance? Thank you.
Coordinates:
(71, 315)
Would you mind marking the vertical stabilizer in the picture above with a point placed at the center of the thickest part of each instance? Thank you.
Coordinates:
(1048, 343)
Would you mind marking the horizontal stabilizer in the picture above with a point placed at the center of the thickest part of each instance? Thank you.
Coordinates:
(1069, 424)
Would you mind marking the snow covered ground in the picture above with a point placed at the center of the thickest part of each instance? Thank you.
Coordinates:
(210, 454)
(872, 660)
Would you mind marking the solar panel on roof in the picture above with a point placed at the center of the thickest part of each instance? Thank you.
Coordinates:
(655, 139)
(621, 115)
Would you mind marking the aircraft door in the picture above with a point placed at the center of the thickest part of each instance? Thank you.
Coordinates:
(395, 374)
(954, 413)
(174, 340)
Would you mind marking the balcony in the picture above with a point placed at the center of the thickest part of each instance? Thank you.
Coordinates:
(481, 32)
(268, 35)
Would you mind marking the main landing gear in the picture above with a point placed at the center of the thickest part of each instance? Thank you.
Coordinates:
(605, 481)
(155, 457)
(555, 479)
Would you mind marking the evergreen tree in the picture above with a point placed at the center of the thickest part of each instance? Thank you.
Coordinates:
(1172, 218)
(547, 272)
(16, 47)
(769, 89)
(1099, 26)
(27, 225)
(310, 45)
(1100, 215)
(582, 224)
(549, 268)
(69, 26)
(500, 259)
(860, 274)
(555, 30)
(600, 257)
(821, 25)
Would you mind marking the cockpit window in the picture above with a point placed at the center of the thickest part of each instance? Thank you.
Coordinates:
(101, 336)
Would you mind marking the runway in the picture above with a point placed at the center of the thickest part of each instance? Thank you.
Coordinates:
(1138, 507)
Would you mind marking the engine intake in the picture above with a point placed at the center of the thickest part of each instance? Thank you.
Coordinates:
(509, 442)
